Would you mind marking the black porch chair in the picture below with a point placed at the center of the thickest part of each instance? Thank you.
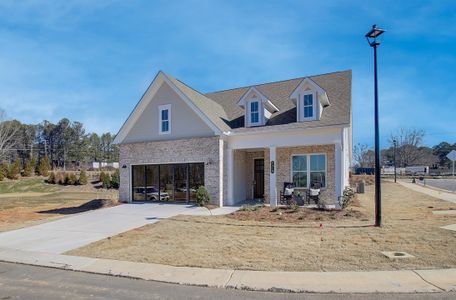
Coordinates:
(286, 195)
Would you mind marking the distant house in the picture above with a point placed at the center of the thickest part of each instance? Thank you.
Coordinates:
(98, 165)
(242, 143)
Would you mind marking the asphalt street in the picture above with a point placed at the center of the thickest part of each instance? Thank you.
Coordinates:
(31, 282)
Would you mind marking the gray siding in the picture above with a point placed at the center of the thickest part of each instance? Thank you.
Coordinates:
(185, 123)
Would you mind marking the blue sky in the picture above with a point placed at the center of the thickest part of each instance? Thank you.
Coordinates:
(91, 61)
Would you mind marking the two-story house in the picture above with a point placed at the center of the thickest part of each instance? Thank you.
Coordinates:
(241, 144)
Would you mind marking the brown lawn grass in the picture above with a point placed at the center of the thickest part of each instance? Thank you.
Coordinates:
(29, 202)
(342, 244)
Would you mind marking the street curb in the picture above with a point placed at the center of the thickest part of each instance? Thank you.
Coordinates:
(402, 281)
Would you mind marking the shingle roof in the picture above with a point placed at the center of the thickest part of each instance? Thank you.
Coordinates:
(210, 108)
(222, 109)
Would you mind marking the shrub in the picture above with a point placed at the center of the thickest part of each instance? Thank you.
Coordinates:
(60, 178)
(28, 169)
(101, 176)
(115, 179)
(44, 166)
(347, 197)
(71, 179)
(52, 178)
(105, 180)
(83, 180)
(202, 196)
(4, 170)
(14, 170)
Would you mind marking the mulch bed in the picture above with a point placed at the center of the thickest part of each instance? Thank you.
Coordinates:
(299, 215)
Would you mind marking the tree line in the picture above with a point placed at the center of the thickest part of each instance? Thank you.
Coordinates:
(64, 144)
(406, 146)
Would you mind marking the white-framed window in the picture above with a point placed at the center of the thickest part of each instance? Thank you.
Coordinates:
(308, 106)
(308, 168)
(254, 112)
(164, 117)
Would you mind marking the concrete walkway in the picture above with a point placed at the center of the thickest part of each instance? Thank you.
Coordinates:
(404, 281)
(450, 197)
(79, 230)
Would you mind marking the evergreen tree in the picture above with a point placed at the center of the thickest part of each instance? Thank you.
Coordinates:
(83, 180)
(43, 167)
(14, 170)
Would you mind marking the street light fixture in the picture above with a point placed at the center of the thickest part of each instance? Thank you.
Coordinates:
(394, 154)
(371, 38)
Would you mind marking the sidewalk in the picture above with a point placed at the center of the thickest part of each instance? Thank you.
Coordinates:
(450, 197)
(403, 281)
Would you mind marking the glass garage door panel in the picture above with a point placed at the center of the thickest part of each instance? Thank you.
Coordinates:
(138, 190)
(180, 181)
(167, 181)
(196, 179)
(152, 183)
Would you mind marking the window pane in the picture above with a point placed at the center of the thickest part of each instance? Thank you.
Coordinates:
(180, 181)
(318, 177)
(299, 163)
(165, 126)
(152, 183)
(308, 100)
(164, 114)
(300, 179)
(308, 112)
(317, 162)
(254, 117)
(254, 106)
(196, 179)
(166, 180)
(138, 184)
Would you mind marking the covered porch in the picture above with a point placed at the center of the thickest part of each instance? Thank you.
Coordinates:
(256, 170)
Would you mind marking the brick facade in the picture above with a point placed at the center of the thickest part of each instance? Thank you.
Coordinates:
(283, 168)
(204, 150)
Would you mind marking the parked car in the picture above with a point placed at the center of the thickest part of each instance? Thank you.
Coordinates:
(152, 193)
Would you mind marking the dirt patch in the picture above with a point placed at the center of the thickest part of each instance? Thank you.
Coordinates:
(337, 245)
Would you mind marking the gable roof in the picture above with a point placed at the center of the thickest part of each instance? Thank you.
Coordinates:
(213, 110)
(337, 86)
(220, 110)
(209, 111)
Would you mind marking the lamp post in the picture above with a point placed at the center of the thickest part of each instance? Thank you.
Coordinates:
(371, 37)
(394, 154)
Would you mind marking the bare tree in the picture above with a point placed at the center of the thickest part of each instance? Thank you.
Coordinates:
(408, 144)
(363, 156)
(7, 134)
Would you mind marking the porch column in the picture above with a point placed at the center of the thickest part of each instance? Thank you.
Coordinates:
(272, 176)
(230, 170)
(338, 170)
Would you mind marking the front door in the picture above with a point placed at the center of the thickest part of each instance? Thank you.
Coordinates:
(258, 177)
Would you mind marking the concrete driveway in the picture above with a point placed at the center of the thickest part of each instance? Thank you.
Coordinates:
(85, 228)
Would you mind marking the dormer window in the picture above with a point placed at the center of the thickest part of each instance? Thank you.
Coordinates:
(310, 100)
(308, 106)
(254, 113)
(164, 116)
(258, 108)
